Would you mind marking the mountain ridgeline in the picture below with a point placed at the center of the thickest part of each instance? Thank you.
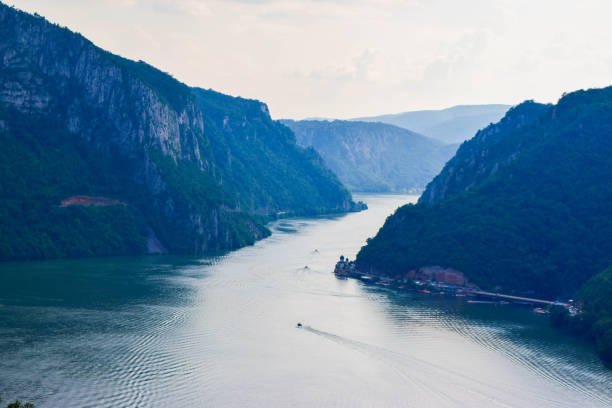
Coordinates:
(103, 156)
(374, 157)
(522, 208)
(451, 125)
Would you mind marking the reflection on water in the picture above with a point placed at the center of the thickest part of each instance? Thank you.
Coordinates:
(161, 331)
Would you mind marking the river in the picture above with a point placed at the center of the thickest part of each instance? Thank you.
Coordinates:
(221, 331)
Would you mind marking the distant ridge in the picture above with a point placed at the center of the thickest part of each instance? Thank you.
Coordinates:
(374, 157)
(451, 125)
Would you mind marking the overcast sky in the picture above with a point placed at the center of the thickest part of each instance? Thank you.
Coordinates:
(347, 58)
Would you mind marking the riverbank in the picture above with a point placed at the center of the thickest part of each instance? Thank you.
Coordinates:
(436, 280)
(167, 330)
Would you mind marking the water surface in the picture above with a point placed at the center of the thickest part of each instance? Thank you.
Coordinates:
(173, 331)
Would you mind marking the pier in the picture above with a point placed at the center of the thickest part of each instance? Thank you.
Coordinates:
(518, 298)
(346, 268)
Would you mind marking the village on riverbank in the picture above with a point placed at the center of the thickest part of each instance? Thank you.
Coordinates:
(437, 280)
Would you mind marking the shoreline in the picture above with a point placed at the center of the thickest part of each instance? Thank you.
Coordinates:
(473, 294)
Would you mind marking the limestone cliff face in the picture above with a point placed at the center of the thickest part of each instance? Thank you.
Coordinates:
(167, 144)
(50, 71)
(482, 156)
(56, 71)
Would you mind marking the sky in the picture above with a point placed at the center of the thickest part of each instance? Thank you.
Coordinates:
(351, 58)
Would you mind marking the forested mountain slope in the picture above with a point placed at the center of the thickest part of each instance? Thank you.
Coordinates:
(156, 164)
(481, 157)
(540, 223)
(374, 157)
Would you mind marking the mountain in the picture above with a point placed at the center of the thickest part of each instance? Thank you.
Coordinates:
(451, 125)
(101, 155)
(522, 208)
(374, 157)
(596, 294)
(482, 156)
(595, 322)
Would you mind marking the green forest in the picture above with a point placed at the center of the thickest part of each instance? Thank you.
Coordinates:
(260, 163)
(539, 225)
(595, 322)
(39, 166)
(18, 404)
(374, 157)
(195, 170)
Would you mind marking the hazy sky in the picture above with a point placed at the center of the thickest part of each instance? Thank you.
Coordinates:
(347, 58)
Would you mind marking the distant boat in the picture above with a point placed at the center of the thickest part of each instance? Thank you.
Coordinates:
(539, 310)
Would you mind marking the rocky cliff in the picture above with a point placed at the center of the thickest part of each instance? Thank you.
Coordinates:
(126, 130)
(260, 164)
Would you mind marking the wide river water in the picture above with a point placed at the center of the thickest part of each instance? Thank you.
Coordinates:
(221, 332)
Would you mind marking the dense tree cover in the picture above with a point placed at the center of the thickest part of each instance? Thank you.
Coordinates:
(374, 157)
(39, 166)
(260, 163)
(481, 157)
(18, 404)
(596, 294)
(596, 320)
(199, 170)
(540, 224)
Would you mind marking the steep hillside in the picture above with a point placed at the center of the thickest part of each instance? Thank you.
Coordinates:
(595, 323)
(76, 120)
(540, 223)
(451, 125)
(482, 156)
(374, 157)
(596, 294)
(261, 164)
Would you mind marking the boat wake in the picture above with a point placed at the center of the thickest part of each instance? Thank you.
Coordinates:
(453, 388)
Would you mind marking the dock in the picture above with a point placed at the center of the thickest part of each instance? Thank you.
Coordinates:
(346, 269)
(519, 298)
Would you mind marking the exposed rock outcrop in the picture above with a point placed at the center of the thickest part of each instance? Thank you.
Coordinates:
(200, 186)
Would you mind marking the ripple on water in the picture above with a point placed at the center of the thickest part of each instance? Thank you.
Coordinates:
(170, 331)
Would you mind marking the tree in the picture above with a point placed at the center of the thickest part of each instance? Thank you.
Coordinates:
(18, 404)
